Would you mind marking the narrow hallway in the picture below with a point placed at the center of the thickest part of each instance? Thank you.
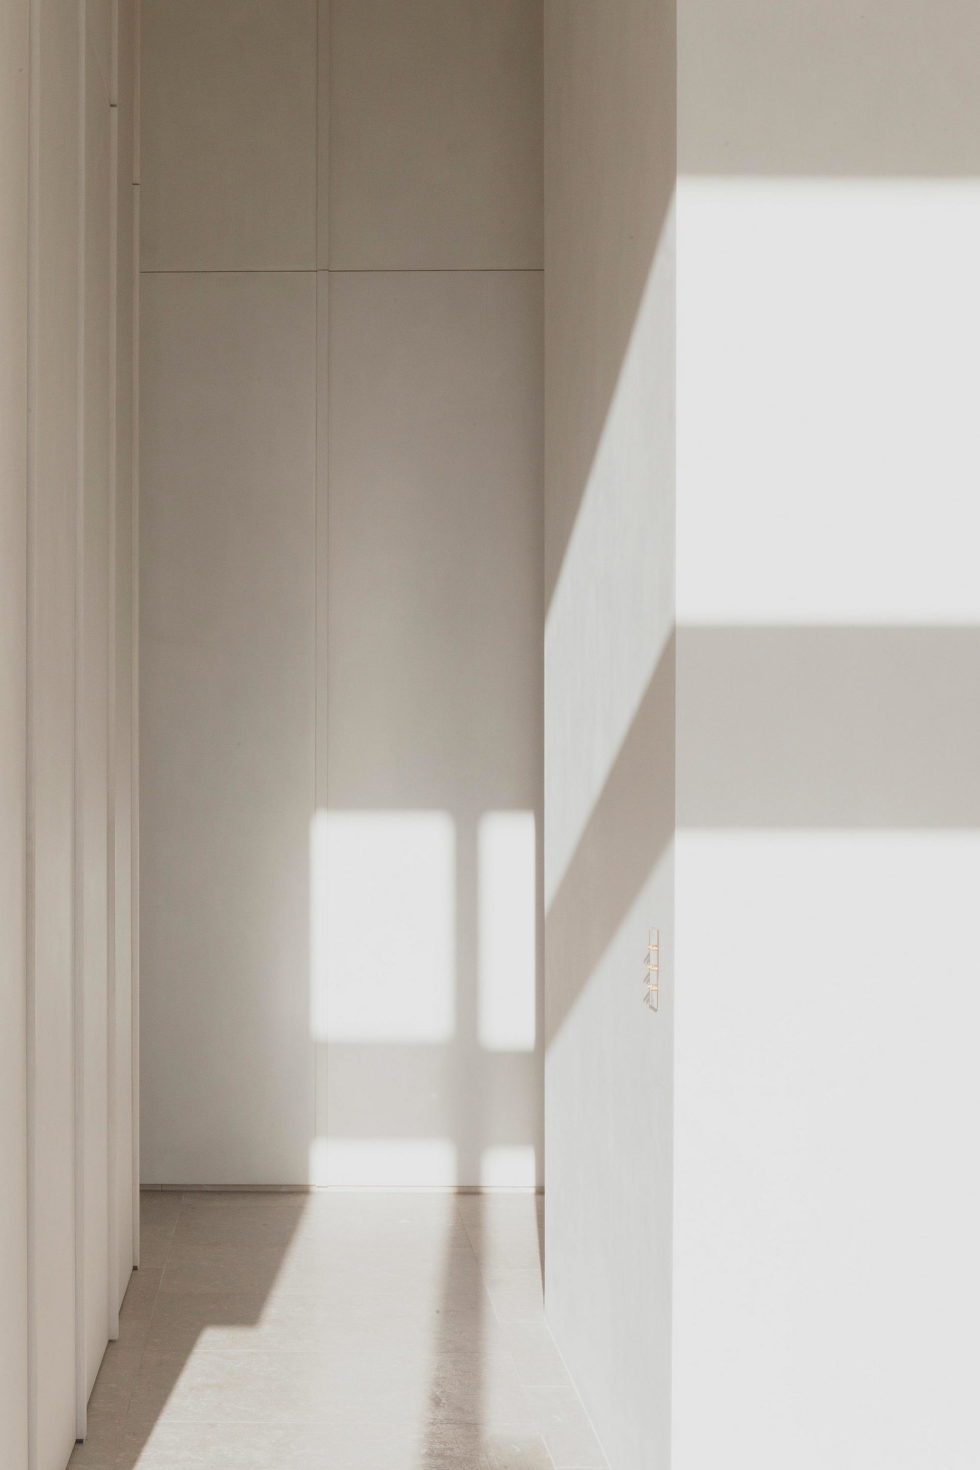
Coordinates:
(355, 1331)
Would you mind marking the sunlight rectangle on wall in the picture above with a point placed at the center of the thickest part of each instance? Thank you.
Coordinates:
(383, 1163)
(507, 943)
(508, 1166)
(802, 489)
(383, 920)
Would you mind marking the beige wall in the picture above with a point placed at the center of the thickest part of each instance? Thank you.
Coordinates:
(609, 707)
(14, 237)
(341, 590)
(68, 435)
(228, 455)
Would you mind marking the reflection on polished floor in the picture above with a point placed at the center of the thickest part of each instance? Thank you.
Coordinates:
(374, 1331)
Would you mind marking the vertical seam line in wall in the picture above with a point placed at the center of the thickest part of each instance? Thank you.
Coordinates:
(317, 41)
(114, 55)
(134, 707)
(134, 693)
(322, 578)
(30, 973)
(78, 854)
(137, 100)
(112, 1172)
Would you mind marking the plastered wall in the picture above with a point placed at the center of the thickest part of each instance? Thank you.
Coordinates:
(341, 601)
(609, 708)
(760, 1224)
(14, 154)
(825, 1272)
(68, 292)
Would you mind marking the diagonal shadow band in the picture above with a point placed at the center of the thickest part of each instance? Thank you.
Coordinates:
(595, 278)
(628, 832)
(820, 727)
(776, 727)
(828, 89)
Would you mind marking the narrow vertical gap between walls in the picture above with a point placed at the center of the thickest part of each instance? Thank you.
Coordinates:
(321, 520)
(316, 561)
(30, 775)
(134, 849)
(78, 854)
(112, 1173)
(134, 612)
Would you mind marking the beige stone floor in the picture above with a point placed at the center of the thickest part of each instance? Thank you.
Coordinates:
(336, 1332)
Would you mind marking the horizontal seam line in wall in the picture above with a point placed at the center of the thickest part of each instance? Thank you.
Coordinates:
(393, 270)
(264, 270)
(246, 1189)
(433, 270)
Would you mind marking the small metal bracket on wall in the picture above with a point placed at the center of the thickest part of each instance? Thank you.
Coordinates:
(652, 997)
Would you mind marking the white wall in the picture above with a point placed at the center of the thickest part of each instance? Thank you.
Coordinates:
(54, 555)
(341, 591)
(428, 779)
(828, 718)
(67, 432)
(227, 722)
(609, 707)
(824, 1279)
(228, 472)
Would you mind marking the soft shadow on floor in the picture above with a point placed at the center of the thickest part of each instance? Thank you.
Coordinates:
(337, 1331)
(208, 1264)
(479, 1414)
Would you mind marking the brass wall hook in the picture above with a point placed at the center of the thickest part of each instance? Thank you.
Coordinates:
(652, 997)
